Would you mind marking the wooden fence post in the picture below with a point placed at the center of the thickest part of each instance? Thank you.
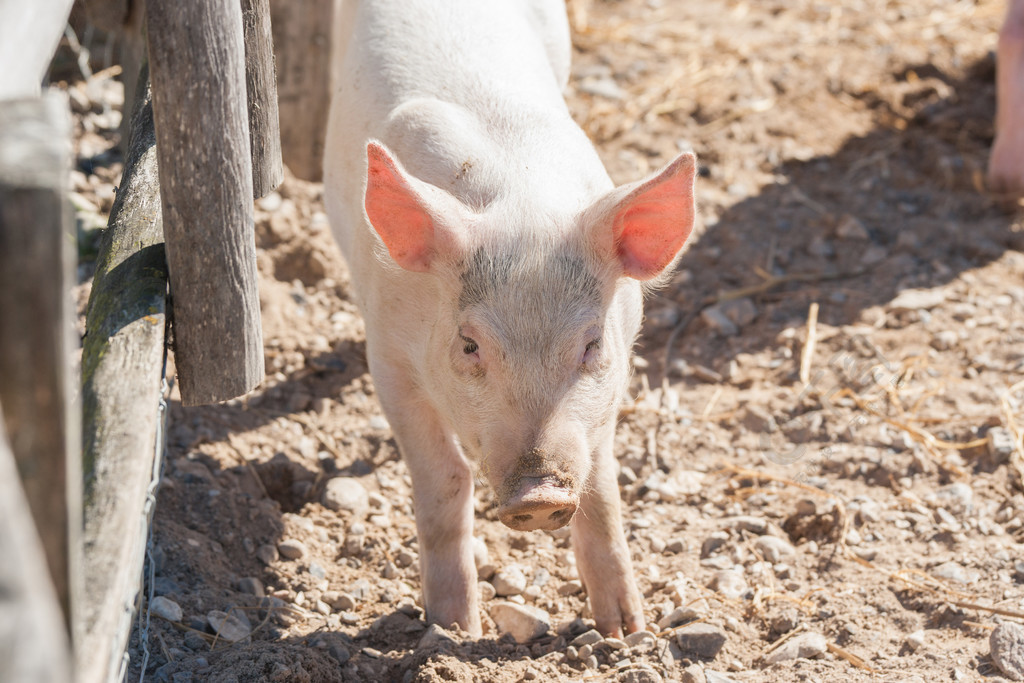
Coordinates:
(33, 641)
(197, 69)
(36, 274)
(303, 35)
(29, 34)
(122, 360)
(261, 87)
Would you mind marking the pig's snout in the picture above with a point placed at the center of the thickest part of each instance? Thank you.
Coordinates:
(540, 503)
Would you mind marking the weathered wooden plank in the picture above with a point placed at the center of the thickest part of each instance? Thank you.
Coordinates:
(36, 273)
(122, 362)
(302, 44)
(33, 641)
(261, 87)
(197, 69)
(29, 34)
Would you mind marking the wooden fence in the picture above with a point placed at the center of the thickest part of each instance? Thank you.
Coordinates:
(179, 248)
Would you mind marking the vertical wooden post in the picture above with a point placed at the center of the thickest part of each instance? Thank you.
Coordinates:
(303, 36)
(33, 642)
(261, 86)
(29, 34)
(197, 68)
(36, 273)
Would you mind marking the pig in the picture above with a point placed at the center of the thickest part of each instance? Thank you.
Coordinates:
(1006, 163)
(500, 275)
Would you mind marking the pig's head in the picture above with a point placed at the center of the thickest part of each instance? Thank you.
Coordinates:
(528, 353)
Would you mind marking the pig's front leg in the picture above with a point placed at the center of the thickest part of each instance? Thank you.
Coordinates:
(1006, 165)
(443, 501)
(602, 555)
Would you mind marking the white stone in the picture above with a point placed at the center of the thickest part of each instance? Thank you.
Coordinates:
(228, 626)
(803, 646)
(509, 581)
(292, 549)
(346, 493)
(523, 622)
(774, 549)
(165, 608)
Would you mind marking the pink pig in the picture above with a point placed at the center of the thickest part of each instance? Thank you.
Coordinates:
(499, 272)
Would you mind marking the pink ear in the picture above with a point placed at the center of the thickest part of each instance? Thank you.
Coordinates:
(653, 221)
(398, 212)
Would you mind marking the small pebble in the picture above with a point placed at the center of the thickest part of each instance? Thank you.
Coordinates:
(509, 581)
(435, 636)
(292, 549)
(523, 622)
(252, 586)
(639, 639)
(487, 591)
(774, 549)
(915, 640)
(587, 638)
(730, 583)
(346, 493)
(701, 640)
(803, 646)
(267, 554)
(165, 608)
(229, 627)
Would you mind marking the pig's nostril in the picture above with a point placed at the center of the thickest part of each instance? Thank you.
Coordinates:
(561, 515)
(522, 519)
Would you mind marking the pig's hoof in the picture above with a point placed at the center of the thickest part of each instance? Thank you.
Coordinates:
(539, 505)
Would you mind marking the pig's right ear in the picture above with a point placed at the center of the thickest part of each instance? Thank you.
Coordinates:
(417, 222)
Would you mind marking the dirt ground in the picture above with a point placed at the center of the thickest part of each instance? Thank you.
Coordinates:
(846, 508)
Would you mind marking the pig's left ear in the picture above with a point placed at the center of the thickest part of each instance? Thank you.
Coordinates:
(418, 222)
(650, 220)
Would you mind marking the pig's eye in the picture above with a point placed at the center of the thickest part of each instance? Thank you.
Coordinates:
(592, 348)
(470, 347)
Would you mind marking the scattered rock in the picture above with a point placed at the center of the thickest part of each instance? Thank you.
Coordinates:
(435, 636)
(803, 646)
(252, 586)
(487, 591)
(509, 581)
(339, 601)
(639, 674)
(267, 554)
(717, 677)
(917, 299)
(165, 608)
(639, 639)
(730, 583)
(590, 637)
(230, 627)
(523, 622)
(774, 549)
(1007, 649)
(346, 493)
(679, 615)
(1000, 443)
(915, 640)
(693, 673)
(953, 571)
(292, 549)
(701, 640)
